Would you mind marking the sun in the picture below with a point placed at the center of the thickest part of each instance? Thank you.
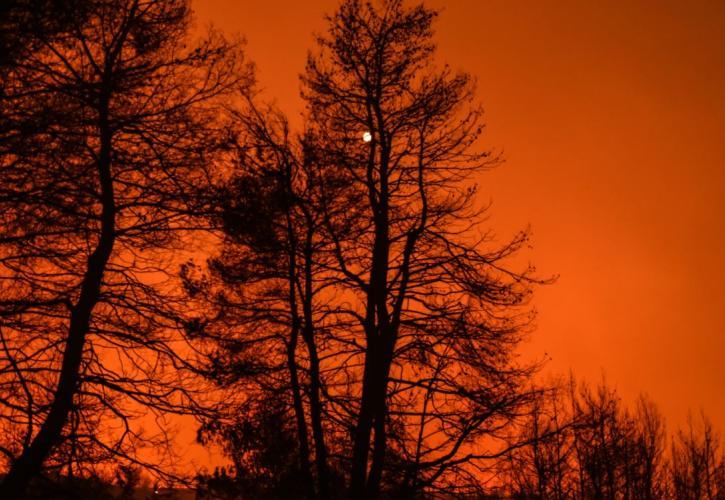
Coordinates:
(367, 137)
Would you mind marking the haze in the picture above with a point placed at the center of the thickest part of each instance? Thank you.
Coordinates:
(611, 118)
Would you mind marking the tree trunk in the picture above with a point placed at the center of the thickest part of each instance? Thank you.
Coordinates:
(308, 333)
(304, 445)
(377, 364)
(373, 414)
(380, 443)
(30, 462)
(363, 428)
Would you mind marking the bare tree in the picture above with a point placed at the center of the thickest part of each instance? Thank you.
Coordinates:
(584, 443)
(697, 462)
(650, 441)
(362, 240)
(544, 467)
(264, 316)
(123, 125)
(435, 312)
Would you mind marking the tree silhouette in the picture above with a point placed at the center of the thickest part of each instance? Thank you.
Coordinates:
(544, 467)
(698, 462)
(584, 443)
(328, 304)
(370, 251)
(115, 121)
(261, 291)
(436, 311)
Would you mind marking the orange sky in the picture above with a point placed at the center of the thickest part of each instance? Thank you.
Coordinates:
(611, 116)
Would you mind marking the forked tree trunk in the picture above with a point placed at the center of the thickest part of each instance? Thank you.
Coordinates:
(304, 446)
(303, 438)
(308, 332)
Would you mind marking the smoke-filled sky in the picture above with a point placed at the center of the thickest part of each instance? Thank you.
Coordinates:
(611, 117)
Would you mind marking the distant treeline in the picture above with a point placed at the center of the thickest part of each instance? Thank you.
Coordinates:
(585, 442)
(326, 303)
